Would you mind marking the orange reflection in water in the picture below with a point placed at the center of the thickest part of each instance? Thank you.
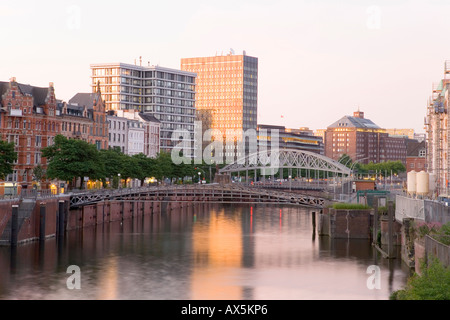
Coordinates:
(217, 249)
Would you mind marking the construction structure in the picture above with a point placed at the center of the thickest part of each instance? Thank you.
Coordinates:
(438, 131)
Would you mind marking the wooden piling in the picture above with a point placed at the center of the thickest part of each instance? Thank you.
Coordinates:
(14, 225)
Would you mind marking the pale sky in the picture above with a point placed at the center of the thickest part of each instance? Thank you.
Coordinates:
(318, 60)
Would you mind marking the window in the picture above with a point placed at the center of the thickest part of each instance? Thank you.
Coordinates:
(38, 141)
(422, 153)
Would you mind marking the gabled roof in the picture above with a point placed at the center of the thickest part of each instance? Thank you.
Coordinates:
(413, 147)
(39, 94)
(148, 117)
(354, 122)
(84, 99)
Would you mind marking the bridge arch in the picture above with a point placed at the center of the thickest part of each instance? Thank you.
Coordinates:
(270, 161)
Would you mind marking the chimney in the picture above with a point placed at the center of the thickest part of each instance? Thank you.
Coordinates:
(358, 114)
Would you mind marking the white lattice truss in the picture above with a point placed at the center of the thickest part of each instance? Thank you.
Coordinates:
(286, 158)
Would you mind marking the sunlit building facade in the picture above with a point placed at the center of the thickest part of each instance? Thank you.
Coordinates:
(227, 89)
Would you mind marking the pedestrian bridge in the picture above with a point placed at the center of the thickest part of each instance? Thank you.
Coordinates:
(269, 162)
(215, 193)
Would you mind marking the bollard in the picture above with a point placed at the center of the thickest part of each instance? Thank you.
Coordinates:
(42, 214)
(61, 222)
(14, 225)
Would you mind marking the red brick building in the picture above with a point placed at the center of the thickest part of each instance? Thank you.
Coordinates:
(28, 117)
(362, 140)
(97, 130)
(416, 157)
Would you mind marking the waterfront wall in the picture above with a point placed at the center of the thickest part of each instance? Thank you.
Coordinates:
(39, 219)
(36, 219)
(342, 223)
(119, 210)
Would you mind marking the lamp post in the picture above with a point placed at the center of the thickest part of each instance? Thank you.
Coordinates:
(199, 174)
(290, 183)
(118, 175)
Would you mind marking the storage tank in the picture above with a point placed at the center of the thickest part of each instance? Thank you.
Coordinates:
(432, 182)
(422, 183)
(411, 181)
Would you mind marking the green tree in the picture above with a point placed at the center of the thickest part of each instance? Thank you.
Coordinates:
(7, 158)
(165, 165)
(346, 160)
(38, 173)
(69, 159)
(112, 160)
(146, 167)
(433, 284)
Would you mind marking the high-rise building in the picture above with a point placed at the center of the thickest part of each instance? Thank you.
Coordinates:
(167, 94)
(227, 91)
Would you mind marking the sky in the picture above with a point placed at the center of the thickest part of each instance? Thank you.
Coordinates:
(318, 59)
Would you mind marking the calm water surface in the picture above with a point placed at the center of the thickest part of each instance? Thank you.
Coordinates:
(204, 252)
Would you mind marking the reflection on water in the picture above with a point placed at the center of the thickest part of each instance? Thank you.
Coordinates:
(203, 252)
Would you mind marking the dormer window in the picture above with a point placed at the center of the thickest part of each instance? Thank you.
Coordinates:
(422, 153)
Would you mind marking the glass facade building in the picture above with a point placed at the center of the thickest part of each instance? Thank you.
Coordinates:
(227, 88)
(167, 94)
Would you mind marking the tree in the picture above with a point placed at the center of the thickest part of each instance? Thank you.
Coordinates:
(7, 158)
(112, 161)
(165, 165)
(346, 160)
(38, 173)
(69, 159)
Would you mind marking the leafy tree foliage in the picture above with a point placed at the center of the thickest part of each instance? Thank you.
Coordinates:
(7, 158)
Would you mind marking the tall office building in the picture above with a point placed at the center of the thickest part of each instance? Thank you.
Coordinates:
(167, 94)
(227, 90)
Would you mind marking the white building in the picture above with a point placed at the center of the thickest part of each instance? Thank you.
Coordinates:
(167, 94)
(118, 132)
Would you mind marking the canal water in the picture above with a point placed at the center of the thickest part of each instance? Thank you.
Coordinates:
(210, 252)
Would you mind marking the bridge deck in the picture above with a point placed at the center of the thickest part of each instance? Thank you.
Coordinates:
(197, 193)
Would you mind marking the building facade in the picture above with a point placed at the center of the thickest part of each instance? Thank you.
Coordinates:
(416, 156)
(298, 139)
(227, 93)
(363, 141)
(97, 130)
(437, 125)
(117, 132)
(29, 118)
(167, 94)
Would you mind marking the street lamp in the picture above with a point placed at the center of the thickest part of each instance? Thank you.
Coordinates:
(290, 183)
(118, 175)
(199, 174)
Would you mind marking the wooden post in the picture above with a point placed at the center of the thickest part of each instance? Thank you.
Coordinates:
(61, 219)
(391, 229)
(375, 221)
(14, 225)
(42, 214)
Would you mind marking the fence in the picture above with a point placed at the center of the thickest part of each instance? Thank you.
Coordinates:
(421, 209)
(437, 249)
